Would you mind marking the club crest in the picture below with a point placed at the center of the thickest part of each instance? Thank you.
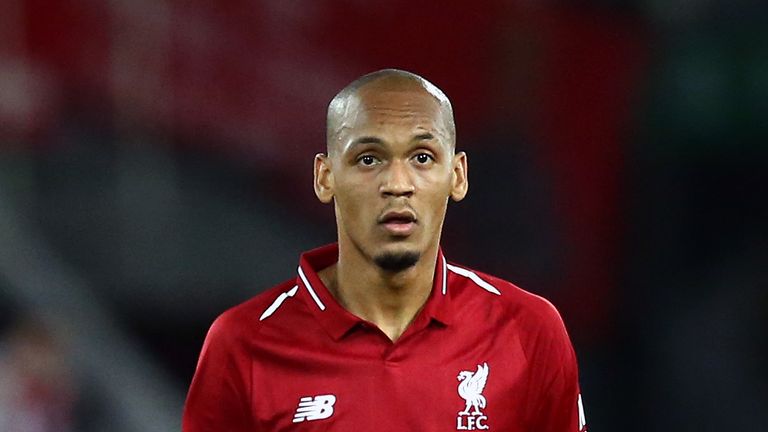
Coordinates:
(471, 386)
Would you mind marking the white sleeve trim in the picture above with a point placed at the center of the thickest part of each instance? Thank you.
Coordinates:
(475, 278)
(278, 301)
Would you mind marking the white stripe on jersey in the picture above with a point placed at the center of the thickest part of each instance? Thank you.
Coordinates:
(311, 291)
(475, 278)
(445, 276)
(278, 301)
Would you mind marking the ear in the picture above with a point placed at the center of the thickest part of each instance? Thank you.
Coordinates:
(460, 183)
(323, 178)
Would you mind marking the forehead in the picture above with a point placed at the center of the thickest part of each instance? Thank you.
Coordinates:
(393, 112)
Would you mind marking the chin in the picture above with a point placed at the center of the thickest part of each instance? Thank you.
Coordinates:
(396, 260)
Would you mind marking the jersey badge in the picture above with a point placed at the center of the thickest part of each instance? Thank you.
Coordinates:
(471, 386)
(314, 408)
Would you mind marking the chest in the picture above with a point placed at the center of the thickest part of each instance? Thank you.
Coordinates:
(439, 380)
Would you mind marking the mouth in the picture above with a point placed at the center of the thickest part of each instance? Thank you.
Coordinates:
(398, 223)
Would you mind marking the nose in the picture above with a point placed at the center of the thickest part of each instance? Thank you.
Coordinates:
(397, 180)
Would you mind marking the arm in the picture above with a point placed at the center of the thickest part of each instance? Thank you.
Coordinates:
(218, 398)
(560, 407)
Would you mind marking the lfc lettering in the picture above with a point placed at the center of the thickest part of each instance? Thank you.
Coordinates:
(471, 423)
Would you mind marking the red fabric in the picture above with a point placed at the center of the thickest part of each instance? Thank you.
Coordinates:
(253, 373)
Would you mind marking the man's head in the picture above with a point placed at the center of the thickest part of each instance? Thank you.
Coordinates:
(390, 167)
(343, 102)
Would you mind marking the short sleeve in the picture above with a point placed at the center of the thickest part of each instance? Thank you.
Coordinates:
(218, 398)
(560, 406)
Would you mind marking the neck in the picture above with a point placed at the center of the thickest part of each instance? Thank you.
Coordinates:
(390, 300)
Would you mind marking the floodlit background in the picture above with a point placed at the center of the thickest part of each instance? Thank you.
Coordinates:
(155, 169)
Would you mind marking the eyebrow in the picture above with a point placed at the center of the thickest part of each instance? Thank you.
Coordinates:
(367, 140)
(426, 136)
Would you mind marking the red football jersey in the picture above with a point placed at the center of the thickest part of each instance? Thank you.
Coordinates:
(482, 354)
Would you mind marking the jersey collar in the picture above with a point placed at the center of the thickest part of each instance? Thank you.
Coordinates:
(337, 321)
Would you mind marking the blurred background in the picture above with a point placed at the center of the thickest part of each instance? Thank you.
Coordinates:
(155, 169)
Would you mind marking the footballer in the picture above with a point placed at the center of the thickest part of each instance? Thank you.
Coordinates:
(381, 331)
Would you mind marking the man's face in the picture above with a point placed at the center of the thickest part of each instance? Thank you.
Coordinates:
(390, 172)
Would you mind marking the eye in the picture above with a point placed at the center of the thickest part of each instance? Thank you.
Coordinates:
(423, 158)
(367, 160)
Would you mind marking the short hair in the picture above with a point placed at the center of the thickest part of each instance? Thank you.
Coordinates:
(339, 102)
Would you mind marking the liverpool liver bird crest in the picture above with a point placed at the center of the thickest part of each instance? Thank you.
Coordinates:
(471, 389)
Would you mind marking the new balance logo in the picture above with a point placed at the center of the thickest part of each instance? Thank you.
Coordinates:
(317, 408)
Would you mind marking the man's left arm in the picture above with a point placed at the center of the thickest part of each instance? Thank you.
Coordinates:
(560, 407)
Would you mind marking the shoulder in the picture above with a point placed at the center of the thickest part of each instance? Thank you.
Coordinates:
(245, 319)
(512, 312)
(508, 300)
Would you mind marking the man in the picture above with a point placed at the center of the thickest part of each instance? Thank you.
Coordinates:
(379, 332)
